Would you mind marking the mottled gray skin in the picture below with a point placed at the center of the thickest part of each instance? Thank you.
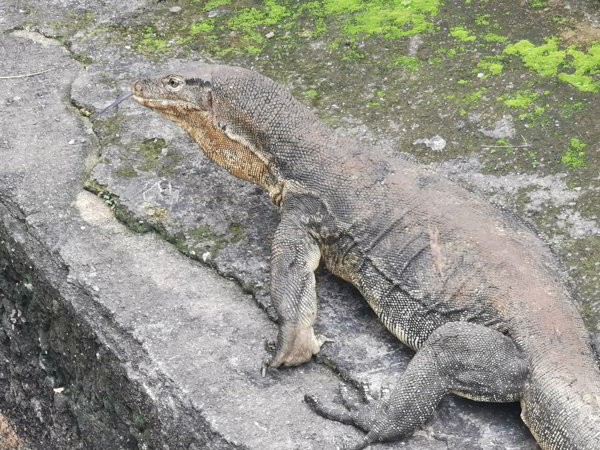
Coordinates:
(472, 290)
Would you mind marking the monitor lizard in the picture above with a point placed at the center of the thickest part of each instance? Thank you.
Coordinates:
(471, 289)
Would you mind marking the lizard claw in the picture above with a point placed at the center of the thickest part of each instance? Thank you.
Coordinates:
(321, 339)
(342, 416)
(327, 412)
(295, 346)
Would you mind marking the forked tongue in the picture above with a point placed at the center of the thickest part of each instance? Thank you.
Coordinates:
(113, 104)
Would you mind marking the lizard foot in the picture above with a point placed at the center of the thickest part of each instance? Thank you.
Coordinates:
(349, 416)
(296, 346)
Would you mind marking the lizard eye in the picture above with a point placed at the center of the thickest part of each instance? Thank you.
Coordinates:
(174, 83)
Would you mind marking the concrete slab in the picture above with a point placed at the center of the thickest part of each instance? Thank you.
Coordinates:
(151, 334)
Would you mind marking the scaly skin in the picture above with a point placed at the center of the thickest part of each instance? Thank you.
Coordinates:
(472, 290)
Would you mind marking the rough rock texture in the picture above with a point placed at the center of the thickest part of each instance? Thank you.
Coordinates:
(150, 332)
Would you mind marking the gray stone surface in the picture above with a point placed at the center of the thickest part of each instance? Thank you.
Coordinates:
(149, 332)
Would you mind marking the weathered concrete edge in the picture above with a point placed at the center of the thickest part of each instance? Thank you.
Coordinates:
(116, 398)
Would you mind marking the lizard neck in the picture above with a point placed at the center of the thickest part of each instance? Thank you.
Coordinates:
(235, 154)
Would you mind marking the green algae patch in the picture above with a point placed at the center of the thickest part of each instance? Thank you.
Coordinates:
(236, 232)
(249, 20)
(491, 65)
(312, 94)
(476, 96)
(202, 27)
(151, 151)
(546, 59)
(542, 59)
(408, 63)
(390, 19)
(150, 42)
(203, 233)
(462, 34)
(213, 4)
(569, 110)
(126, 172)
(575, 156)
(585, 64)
(493, 37)
(482, 19)
(538, 4)
(522, 99)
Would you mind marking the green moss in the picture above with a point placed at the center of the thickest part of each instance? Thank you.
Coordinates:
(462, 82)
(120, 211)
(84, 59)
(585, 64)
(482, 19)
(492, 65)
(574, 155)
(547, 58)
(214, 241)
(352, 53)
(202, 233)
(151, 152)
(319, 28)
(76, 20)
(236, 233)
(213, 4)
(568, 110)
(493, 37)
(537, 117)
(543, 59)
(126, 172)
(108, 129)
(522, 99)
(150, 43)
(390, 19)
(312, 94)
(251, 21)
(462, 34)
(538, 3)
(476, 96)
(408, 62)
(202, 27)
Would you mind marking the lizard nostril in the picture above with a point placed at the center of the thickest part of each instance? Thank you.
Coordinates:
(138, 87)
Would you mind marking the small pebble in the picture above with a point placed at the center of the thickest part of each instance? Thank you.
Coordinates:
(72, 141)
(175, 9)
(269, 35)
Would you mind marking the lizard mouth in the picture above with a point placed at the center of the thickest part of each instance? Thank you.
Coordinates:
(161, 103)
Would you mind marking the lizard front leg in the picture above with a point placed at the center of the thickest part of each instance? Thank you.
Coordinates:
(295, 256)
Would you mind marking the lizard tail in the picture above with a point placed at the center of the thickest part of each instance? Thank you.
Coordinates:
(561, 402)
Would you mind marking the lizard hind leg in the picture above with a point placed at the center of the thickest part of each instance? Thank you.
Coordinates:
(464, 358)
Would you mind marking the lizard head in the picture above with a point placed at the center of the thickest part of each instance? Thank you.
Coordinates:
(199, 101)
(175, 95)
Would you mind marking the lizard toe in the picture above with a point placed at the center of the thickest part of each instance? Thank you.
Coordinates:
(350, 398)
(337, 414)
